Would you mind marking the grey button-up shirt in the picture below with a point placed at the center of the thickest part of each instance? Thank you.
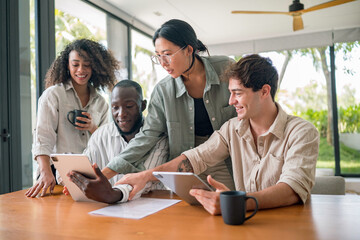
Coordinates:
(171, 112)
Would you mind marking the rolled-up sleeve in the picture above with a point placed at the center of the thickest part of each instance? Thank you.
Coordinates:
(45, 132)
(300, 160)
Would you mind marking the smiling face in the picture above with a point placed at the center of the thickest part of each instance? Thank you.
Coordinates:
(126, 108)
(79, 68)
(246, 102)
(179, 62)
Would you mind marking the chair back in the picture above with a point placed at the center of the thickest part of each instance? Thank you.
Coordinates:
(330, 185)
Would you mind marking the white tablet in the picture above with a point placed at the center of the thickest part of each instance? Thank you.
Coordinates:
(181, 183)
(65, 163)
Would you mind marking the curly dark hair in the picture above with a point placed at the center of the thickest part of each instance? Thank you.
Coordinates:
(102, 61)
(254, 71)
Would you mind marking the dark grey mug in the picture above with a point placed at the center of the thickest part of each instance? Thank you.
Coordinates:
(72, 115)
(233, 207)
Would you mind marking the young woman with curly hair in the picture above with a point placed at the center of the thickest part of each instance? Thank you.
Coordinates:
(72, 82)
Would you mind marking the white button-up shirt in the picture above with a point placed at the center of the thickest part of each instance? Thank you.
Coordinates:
(54, 133)
(107, 142)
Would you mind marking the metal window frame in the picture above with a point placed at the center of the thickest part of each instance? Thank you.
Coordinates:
(10, 162)
(335, 122)
(44, 41)
(129, 28)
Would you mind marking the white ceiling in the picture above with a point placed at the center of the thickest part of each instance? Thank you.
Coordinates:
(214, 24)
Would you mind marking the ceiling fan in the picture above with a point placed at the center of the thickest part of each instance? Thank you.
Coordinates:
(296, 9)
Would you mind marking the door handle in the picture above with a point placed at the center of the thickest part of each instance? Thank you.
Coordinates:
(5, 135)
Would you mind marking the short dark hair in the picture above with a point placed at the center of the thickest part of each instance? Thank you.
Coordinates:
(254, 71)
(130, 83)
(181, 34)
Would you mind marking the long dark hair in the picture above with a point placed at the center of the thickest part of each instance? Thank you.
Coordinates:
(181, 34)
(102, 61)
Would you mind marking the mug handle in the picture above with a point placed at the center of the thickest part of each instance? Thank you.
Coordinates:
(67, 116)
(256, 208)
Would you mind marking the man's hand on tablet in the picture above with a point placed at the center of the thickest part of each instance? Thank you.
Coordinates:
(98, 189)
(210, 200)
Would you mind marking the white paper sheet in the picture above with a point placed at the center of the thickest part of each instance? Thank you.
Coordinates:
(135, 209)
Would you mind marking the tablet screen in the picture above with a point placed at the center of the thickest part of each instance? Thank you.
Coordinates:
(65, 163)
(181, 183)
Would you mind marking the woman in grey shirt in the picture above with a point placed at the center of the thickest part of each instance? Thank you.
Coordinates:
(187, 106)
(72, 82)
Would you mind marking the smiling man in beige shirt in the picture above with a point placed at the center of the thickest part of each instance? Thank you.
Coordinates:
(273, 154)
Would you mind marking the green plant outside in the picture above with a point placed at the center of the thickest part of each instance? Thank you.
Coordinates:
(349, 122)
(69, 28)
(349, 119)
(349, 157)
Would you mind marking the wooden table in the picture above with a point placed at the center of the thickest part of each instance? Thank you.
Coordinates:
(59, 217)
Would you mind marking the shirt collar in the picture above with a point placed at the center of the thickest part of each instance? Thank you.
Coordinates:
(212, 78)
(114, 131)
(277, 128)
(68, 85)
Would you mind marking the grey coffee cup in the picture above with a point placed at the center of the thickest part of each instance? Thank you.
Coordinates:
(233, 207)
(72, 115)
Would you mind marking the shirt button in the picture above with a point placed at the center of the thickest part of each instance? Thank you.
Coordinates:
(207, 101)
(190, 108)
(213, 119)
(83, 134)
(191, 128)
(191, 147)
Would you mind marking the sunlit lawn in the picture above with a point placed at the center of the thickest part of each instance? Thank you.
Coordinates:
(349, 158)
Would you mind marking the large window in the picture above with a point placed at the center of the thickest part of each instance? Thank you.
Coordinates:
(144, 70)
(76, 19)
(347, 56)
(305, 91)
(73, 20)
(26, 89)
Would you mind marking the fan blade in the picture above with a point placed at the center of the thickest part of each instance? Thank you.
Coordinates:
(297, 22)
(261, 12)
(326, 5)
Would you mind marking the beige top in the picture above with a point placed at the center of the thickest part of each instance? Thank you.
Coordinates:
(54, 133)
(287, 153)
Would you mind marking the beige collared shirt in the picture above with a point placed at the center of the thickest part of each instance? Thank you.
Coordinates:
(287, 153)
(54, 133)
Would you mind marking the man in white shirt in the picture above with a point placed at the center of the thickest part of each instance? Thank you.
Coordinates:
(127, 105)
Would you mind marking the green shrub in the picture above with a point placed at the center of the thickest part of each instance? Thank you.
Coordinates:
(349, 119)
